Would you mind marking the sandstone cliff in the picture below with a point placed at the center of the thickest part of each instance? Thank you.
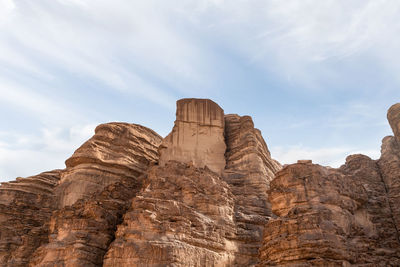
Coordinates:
(197, 136)
(209, 194)
(249, 170)
(25, 209)
(337, 217)
(117, 151)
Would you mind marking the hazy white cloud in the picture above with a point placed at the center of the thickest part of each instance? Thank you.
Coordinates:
(156, 51)
(6, 7)
(49, 110)
(294, 39)
(327, 156)
(25, 155)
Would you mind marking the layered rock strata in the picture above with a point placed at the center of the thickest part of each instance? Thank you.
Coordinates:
(197, 136)
(94, 191)
(80, 234)
(194, 217)
(393, 116)
(215, 197)
(25, 209)
(249, 170)
(117, 151)
(337, 217)
(183, 216)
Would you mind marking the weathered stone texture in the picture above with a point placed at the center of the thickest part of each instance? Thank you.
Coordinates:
(25, 209)
(182, 217)
(337, 217)
(393, 116)
(197, 136)
(249, 170)
(209, 194)
(80, 234)
(95, 190)
(116, 151)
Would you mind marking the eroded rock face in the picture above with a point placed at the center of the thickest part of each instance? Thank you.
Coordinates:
(117, 151)
(25, 209)
(197, 136)
(184, 216)
(337, 217)
(80, 234)
(394, 120)
(216, 198)
(94, 192)
(249, 170)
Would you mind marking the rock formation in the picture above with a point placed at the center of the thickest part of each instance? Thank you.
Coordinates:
(394, 120)
(116, 152)
(182, 217)
(337, 217)
(94, 191)
(209, 194)
(197, 136)
(249, 170)
(25, 209)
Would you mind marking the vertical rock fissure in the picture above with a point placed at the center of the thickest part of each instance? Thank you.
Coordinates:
(388, 202)
(305, 187)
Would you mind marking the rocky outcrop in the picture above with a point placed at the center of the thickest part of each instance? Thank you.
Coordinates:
(337, 217)
(209, 194)
(94, 191)
(329, 217)
(183, 216)
(26, 205)
(393, 116)
(197, 136)
(117, 151)
(79, 235)
(249, 170)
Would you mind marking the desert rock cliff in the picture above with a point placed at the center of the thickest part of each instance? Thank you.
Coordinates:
(197, 136)
(208, 194)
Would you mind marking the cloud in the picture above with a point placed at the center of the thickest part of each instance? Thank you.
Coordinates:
(303, 41)
(327, 156)
(6, 8)
(26, 155)
(325, 64)
(49, 110)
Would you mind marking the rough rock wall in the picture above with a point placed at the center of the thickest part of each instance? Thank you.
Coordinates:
(80, 234)
(112, 207)
(197, 136)
(116, 151)
(184, 216)
(95, 190)
(389, 164)
(249, 170)
(25, 209)
(189, 216)
(393, 116)
(337, 217)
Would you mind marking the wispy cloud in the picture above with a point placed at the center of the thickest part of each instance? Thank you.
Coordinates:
(319, 67)
(327, 156)
(25, 154)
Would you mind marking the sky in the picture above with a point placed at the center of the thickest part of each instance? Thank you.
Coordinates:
(316, 76)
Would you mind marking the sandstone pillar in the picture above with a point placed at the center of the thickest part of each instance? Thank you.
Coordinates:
(197, 136)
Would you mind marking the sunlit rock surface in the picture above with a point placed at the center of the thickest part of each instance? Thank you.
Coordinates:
(209, 194)
(197, 136)
(117, 151)
(337, 217)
